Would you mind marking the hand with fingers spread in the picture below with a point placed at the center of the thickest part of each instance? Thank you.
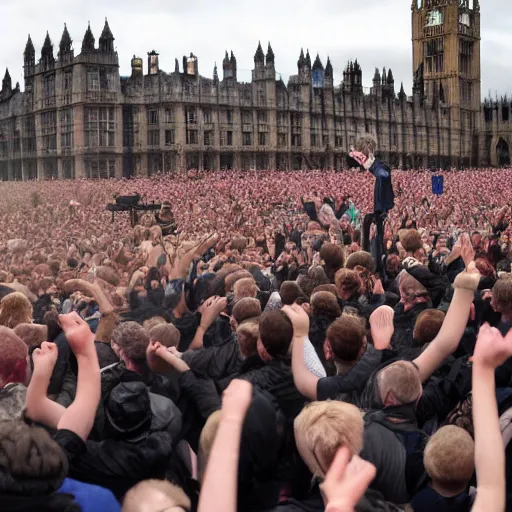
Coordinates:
(299, 319)
(44, 359)
(382, 327)
(346, 481)
(78, 333)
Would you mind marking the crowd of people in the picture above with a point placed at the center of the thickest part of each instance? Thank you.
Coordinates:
(288, 346)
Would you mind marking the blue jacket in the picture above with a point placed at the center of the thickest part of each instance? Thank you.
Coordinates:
(383, 197)
(91, 498)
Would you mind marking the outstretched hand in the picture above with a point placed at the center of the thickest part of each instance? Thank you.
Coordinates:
(78, 333)
(382, 327)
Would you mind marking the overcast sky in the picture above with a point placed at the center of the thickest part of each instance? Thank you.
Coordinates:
(376, 32)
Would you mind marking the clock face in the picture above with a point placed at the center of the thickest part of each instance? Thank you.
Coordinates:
(434, 18)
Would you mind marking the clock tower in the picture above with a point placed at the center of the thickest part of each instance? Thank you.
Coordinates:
(446, 48)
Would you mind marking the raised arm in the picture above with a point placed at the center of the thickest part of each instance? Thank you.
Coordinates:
(305, 381)
(39, 407)
(220, 486)
(491, 351)
(448, 339)
(79, 416)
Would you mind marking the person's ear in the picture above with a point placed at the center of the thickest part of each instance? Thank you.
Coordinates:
(328, 353)
(390, 400)
(262, 352)
(306, 307)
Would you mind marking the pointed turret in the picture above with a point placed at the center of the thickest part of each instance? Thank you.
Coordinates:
(176, 66)
(301, 60)
(30, 53)
(401, 94)
(215, 74)
(47, 51)
(376, 77)
(6, 82)
(88, 42)
(384, 76)
(270, 58)
(391, 79)
(317, 65)
(329, 73)
(259, 56)
(106, 39)
(232, 60)
(65, 42)
(308, 59)
(225, 62)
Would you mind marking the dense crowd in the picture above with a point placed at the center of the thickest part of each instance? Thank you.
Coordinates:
(272, 352)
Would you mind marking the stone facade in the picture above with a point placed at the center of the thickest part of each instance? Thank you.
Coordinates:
(78, 118)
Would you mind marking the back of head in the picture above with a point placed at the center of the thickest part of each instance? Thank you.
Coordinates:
(276, 333)
(331, 288)
(322, 428)
(399, 384)
(361, 259)
(156, 496)
(290, 291)
(13, 358)
(32, 334)
(151, 322)
(32, 464)
(347, 282)
(132, 339)
(411, 240)
(247, 334)
(502, 295)
(325, 304)
(245, 287)
(167, 334)
(346, 336)
(15, 309)
(332, 255)
(246, 308)
(233, 277)
(427, 326)
(449, 457)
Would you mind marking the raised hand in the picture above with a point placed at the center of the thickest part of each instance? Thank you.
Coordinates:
(44, 359)
(346, 481)
(236, 399)
(299, 319)
(78, 333)
(492, 349)
(212, 311)
(382, 328)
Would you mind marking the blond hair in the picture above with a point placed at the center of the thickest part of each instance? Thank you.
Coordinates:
(157, 494)
(402, 380)
(449, 457)
(15, 309)
(322, 428)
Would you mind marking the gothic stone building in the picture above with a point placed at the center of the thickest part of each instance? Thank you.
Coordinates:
(77, 117)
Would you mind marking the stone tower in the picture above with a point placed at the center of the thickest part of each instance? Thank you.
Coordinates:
(446, 41)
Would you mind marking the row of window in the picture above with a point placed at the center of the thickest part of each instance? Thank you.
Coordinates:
(153, 116)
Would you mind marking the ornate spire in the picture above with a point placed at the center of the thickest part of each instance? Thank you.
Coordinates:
(270, 55)
(89, 41)
(232, 60)
(401, 94)
(384, 75)
(106, 39)
(176, 66)
(301, 60)
(215, 74)
(65, 42)
(308, 59)
(376, 77)
(47, 50)
(6, 82)
(225, 62)
(30, 52)
(317, 65)
(329, 73)
(391, 79)
(259, 56)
